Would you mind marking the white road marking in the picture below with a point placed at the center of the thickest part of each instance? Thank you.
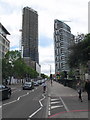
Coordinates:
(52, 107)
(9, 102)
(54, 99)
(41, 100)
(49, 113)
(55, 102)
(64, 104)
(35, 112)
(39, 108)
(15, 100)
(49, 108)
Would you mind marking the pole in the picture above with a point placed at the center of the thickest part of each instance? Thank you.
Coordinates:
(50, 69)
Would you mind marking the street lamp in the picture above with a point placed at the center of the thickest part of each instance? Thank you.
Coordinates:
(50, 69)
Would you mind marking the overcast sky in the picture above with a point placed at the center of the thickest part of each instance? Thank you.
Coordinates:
(75, 11)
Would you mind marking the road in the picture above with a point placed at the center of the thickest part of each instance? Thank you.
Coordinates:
(58, 102)
(23, 103)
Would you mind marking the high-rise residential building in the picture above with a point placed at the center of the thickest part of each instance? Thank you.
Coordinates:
(29, 41)
(4, 42)
(62, 41)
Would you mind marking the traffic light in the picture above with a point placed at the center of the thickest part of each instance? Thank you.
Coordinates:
(58, 76)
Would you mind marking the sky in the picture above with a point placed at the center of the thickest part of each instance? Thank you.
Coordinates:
(75, 11)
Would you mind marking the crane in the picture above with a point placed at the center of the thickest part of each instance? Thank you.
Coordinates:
(65, 20)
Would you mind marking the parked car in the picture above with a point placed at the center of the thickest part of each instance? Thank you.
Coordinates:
(28, 86)
(5, 92)
(43, 80)
(36, 83)
(40, 82)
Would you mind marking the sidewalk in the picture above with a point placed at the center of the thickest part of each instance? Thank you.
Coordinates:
(76, 109)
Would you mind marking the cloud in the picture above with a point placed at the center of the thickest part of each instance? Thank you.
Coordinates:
(74, 10)
(14, 48)
(46, 57)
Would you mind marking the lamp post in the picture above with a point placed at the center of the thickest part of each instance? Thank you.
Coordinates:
(50, 69)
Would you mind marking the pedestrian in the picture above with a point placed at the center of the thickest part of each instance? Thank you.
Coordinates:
(79, 90)
(87, 88)
(44, 86)
(51, 79)
(51, 82)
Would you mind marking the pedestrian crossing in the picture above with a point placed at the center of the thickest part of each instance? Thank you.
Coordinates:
(55, 105)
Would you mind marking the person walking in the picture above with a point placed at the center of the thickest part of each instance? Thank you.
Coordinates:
(79, 90)
(51, 82)
(44, 87)
(87, 88)
(51, 79)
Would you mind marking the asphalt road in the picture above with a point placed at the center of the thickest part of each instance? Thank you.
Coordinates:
(24, 104)
(58, 102)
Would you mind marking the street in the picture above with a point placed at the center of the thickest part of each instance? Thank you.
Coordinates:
(58, 102)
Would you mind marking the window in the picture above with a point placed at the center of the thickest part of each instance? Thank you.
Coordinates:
(56, 25)
(61, 65)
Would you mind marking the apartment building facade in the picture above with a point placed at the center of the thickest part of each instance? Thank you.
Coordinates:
(4, 42)
(62, 41)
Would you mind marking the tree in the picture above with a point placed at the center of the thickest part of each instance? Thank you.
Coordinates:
(19, 68)
(44, 76)
(7, 70)
(80, 53)
(13, 55)
(14, 65)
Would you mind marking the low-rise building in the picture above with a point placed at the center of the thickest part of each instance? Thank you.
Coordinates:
(4, 42)
(33, 64)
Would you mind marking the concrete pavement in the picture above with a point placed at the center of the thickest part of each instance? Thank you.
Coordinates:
(70, 106)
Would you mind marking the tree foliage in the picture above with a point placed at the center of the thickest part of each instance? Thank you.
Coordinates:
(80, 53)
(14, 65)
(44, 76)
